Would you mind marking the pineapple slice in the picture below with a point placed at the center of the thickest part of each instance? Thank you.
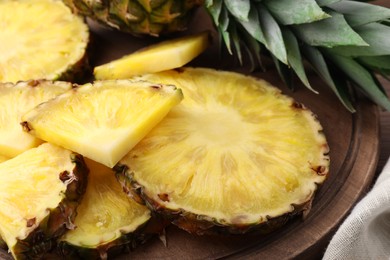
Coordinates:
(40, 39)
(104, 120)
(106, 218)
(235, 154)
(39, 192)
(17, 99)
(171, 54)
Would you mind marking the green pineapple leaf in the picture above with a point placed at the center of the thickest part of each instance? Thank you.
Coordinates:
(379, 63)
(344, 41)
(214, 8)
(339, 87)
(273, 35)
(295, 58)
(253, 47)
(326, 2)
(236, 41)
(376, 35)
(357, 13)
(252, 26)
(222, 28)
(239, 9)
(330, 32)
(362, 77)
(289, 12)
(284, 72)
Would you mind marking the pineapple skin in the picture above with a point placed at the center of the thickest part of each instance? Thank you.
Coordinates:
(140, 18)
(127, 242)
(43, 239)
(201, 224)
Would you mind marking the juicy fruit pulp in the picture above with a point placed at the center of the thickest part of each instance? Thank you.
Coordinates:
(141, 17)
(39, 192)
(17, 99)
(104, 120)
(235, 153)
(171, 54)
(39, 39)
(106, 217)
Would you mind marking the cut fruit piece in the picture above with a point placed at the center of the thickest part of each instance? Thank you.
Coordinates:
(106, 218)
(16, 100)
(40, 39)
(235, 154)
(165, 55)
(40, 190)
(104, 120)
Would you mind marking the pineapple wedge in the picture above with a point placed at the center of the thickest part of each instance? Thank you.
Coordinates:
(104, 120)
(40, 39)
(39, 192)
(234, 155)
(17, 99)
(171, 54)
(106, 218)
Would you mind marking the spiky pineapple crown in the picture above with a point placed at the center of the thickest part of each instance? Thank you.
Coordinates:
(344, 41)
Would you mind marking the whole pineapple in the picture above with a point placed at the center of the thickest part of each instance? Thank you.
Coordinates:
(140, 17)
(344, 41)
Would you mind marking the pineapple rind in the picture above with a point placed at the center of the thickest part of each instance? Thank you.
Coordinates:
(139, 18)
(281, 152)
(104, 120)
(50, 43)
(174, 54)
(17, 99)
(40, 191)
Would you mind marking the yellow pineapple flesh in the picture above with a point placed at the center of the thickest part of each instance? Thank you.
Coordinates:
(235, 153)
(39, 39)
(170, 54)
(103, 120)
(105, 216)
(17, 99)
(39, 190)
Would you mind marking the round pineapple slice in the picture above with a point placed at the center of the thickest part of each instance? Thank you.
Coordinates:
(234, 154)
(40, 39)
(39, 192)
(170, 54)
(106, 218)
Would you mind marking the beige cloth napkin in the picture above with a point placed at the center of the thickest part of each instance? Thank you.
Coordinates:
(365, 234)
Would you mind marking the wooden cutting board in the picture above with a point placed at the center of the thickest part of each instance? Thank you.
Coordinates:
(354, 144)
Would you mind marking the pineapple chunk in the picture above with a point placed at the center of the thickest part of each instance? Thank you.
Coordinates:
(235, 153)
(40, 39)
(106, 217)
(39, 190)
(165, 55)
(17, 99)
(104, 120)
